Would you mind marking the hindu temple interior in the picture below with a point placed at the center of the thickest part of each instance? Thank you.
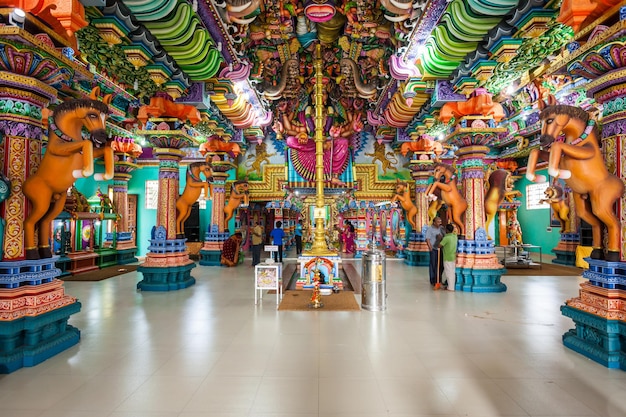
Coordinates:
(142, 142)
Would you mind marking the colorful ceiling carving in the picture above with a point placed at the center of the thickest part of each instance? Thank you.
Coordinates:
(388, 65)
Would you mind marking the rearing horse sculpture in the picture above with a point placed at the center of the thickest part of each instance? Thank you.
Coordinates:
(403, 194)
(193, 188)
(238, 193)
(68, 156)
(579, 162)
(445, 181)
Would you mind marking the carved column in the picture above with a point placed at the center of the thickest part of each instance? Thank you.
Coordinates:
(125, 242)
(597, 309)
(478, 269)
(221, 163)
(417, 252)
(21, 100)
(167, 266)
(29, 290)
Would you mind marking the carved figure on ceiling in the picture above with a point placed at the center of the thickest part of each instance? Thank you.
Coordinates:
(480, 103)
(163, 105)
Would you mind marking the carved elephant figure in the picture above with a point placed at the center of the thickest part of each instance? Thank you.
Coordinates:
(241, 12)
(350, 70)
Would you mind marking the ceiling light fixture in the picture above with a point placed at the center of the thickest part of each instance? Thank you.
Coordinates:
(17, 18)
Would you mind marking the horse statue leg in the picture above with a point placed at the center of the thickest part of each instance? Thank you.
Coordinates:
(40, 196)
(583, 210)
(531, 166)
(602, 206)
(109, 158)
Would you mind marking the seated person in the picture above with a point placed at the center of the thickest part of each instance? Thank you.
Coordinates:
(230, 250)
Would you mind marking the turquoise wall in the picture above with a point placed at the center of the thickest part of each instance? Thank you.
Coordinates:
(146, 218)
(534, 223)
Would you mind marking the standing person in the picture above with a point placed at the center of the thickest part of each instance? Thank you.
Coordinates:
(449, 246)
(257, 241)
(433, 236)
(298, 235)
(277, 236)
(349, 239)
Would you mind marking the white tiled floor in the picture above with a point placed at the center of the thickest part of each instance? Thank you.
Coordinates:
(208, 351)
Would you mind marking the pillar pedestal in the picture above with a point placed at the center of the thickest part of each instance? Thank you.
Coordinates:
(167, 266)
(34, 309)
(599, 313)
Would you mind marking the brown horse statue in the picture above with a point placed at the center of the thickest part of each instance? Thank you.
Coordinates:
(239, 195)
(68, 156)
(403, 194)
(500, 183)
(578, 161)
(445, 181)
(193, 188)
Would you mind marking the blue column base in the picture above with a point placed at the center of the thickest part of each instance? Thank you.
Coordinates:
(126, 256)
(479, 280)
(29, 341)
(169, 278)
(416, 258)
(564, 257)
(596, 338)
(210, 257)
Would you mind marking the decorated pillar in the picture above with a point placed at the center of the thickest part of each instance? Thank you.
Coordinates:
(221, 163)
(125, 242)
(167, 266)
(417, 253)
(34, 308)
(598, 311)
(478, 268)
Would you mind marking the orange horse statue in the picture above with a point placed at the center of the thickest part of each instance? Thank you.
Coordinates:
(68, 156)
(239, 195)
(165, 106)
(445, 182)
(500, 183)
(578, 161)
(480, 104)
(403, 194)
(193, 188)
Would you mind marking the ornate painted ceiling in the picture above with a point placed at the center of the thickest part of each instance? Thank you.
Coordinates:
(388, 65)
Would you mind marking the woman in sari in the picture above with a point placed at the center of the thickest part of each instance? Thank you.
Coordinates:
(349, 238)
(230, 250)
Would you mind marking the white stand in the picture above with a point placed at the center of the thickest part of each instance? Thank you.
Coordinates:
(268, 277)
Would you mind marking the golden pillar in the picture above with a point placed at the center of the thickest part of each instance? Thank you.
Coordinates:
(319, 247)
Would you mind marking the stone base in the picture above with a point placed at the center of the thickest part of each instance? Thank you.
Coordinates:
(63, 264)
(31, 340)
(106, 257)
(479, 280)
(166, 278)
(126, 256)
(564, 257)
(597, 338)
(416, 258)
(210, 257)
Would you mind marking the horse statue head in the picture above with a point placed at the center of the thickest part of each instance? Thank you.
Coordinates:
(564, 123)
